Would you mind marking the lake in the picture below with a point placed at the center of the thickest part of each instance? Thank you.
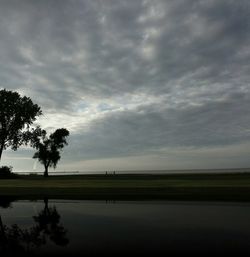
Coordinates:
(122, 228)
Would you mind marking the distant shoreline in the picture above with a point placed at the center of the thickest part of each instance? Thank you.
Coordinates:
(187, 171)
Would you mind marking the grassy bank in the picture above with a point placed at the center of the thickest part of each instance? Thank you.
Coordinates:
(212, 187)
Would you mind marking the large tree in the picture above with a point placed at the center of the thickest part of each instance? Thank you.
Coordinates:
(17, 113)
(49, 147)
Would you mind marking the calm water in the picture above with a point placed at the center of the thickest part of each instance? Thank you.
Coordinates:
(100, 228)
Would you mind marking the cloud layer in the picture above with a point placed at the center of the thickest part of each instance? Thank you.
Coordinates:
(132, 78)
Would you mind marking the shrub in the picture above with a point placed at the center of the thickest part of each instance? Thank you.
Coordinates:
(6, 172)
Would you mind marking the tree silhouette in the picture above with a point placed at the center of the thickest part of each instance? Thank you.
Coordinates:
(48, 148)
(17, 113)
(5, 201)
(16, 241)
(48, 222)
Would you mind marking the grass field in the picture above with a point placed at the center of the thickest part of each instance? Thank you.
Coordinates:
(199, 187)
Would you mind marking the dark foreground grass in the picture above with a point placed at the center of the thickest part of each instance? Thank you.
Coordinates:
(193, 187)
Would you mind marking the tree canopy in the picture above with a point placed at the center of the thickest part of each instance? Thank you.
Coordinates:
(17, 113)
(49, 147)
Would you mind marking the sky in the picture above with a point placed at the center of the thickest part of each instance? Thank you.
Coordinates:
(140, 84)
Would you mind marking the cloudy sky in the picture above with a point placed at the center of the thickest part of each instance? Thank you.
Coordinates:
(140, 84)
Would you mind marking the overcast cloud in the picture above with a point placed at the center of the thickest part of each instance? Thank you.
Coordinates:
(140, 84)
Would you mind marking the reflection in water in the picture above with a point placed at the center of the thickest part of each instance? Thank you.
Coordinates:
(5, 202)
(47, 227)
(123, 228)
(48, 224)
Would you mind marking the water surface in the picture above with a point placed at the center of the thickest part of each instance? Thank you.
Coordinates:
(95, 228)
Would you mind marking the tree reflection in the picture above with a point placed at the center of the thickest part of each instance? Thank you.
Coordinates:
(48, 223)
(19, 241)
(5, 202)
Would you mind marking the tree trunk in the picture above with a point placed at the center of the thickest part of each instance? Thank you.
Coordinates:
(46, 174)
(1, 151)
(2, 233)
(46, 166)
(46, 206)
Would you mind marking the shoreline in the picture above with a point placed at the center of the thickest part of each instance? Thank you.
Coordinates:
(177, 187)
(142, 172)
